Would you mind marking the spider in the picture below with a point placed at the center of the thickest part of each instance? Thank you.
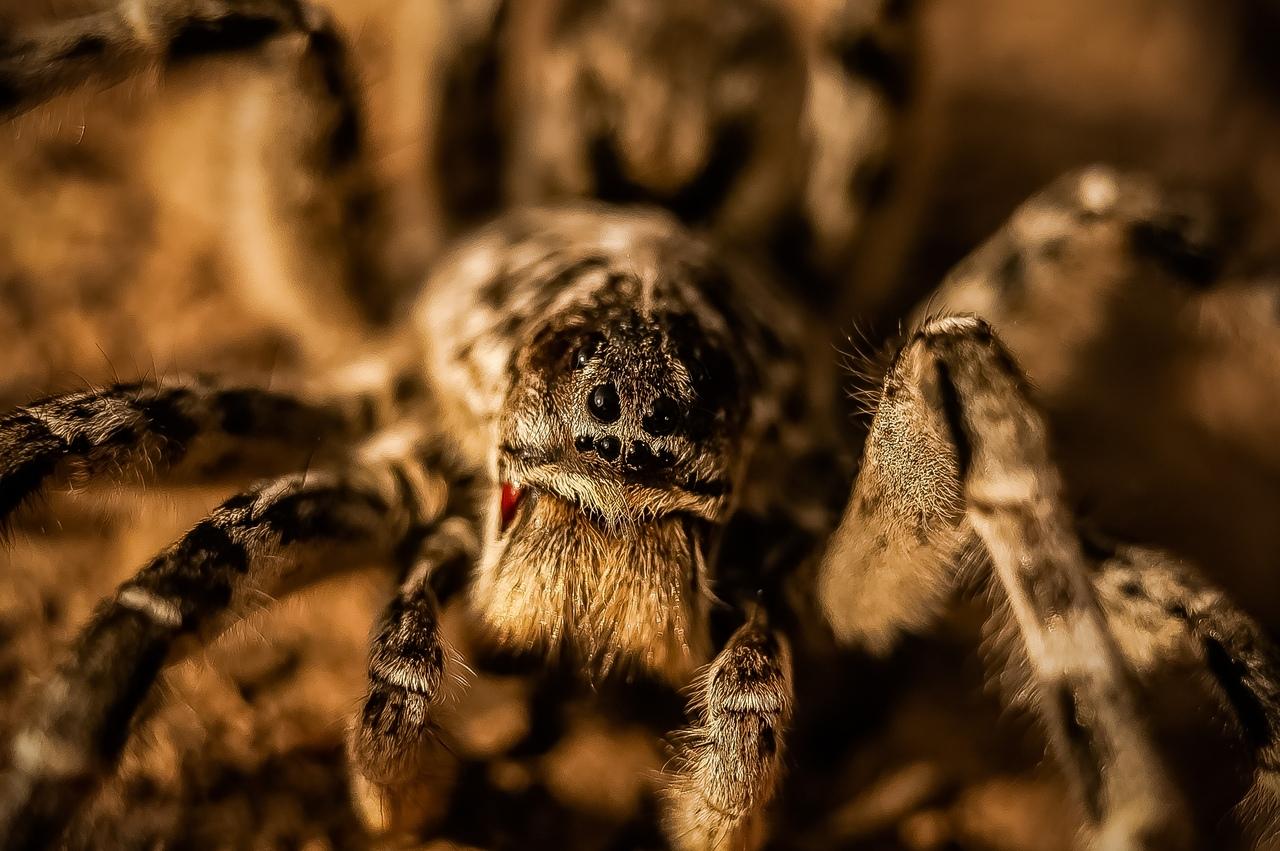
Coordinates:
(601, 408)
(619, 451)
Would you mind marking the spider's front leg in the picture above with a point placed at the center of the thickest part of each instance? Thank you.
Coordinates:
(129, 431)
(272, 539)
(957, 449)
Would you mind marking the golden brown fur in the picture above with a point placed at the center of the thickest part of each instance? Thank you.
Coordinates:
(634, 598)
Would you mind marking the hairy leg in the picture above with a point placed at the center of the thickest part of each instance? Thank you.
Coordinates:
(301, 130)
(894, 575)
(1162, 612)
(955, 386)
(732, 757)
(274, 538)
(131, 430)
(861, 79)
(38, 62)
(310, 226)
(1093, 247)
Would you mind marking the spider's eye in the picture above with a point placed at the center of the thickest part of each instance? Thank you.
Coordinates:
(604, 404)
(608, 447)
(585, 352)
(508, 502)
(663, 418)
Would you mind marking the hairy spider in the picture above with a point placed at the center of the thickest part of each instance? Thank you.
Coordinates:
(595, 379)
(601, 398)
(621, 454)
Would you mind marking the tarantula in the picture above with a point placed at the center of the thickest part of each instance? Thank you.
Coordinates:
(602, 406)
(622, 453)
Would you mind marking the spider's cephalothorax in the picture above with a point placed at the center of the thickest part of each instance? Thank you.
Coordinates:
(610, 371)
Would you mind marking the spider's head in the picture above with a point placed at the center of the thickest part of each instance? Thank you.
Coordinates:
(620, 442)
(674, 103)
(632, 417)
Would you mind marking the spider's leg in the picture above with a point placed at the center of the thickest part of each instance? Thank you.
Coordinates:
(39, 62)
(304, 168)
(862, 78)
(302, 133)
(1013, 499)
(1160, 609)
(128, 430)
(1094, 247)
(259, 545)
(731, 758)
(393, 743)
(469, 151)
(957, 432)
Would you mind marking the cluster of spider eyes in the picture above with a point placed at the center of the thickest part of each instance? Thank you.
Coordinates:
(605, 407)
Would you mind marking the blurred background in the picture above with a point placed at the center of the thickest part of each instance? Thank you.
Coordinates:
(172, 222)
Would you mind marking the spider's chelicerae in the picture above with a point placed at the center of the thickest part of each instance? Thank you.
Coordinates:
(621, 454)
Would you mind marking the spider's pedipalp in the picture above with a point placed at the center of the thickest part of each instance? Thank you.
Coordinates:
(967, 397)
(38, 62)
(393, 744)
(732, 757)
(279, 536)
(132, 430)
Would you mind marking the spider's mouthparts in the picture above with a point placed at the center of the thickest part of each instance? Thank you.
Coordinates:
(508, 502)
